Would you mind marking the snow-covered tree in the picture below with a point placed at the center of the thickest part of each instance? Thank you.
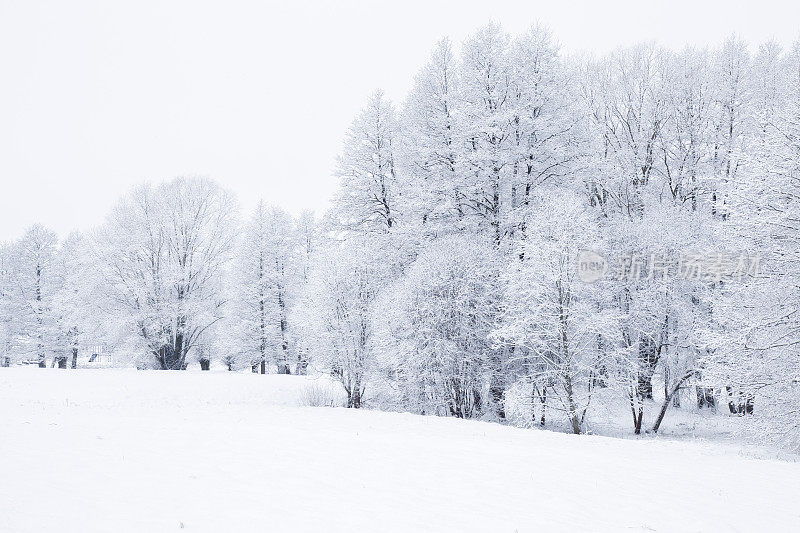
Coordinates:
(754, 346)
(334, 314)
(433, 328)
(264, 280)
(366, 201)
(72, 304)
(562, 328)
(547, 144)
(488, 127)
(732, 121)
(307, 242)
(34, 283)
(162, 255)
(431, 146)
(444, 278)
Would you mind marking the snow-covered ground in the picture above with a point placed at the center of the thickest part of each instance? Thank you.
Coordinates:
(119, 450)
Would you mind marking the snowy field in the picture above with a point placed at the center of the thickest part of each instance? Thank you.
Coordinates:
(122, 450)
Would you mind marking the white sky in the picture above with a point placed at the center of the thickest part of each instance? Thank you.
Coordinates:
(96, 96)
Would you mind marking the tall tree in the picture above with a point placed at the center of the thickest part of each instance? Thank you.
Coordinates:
(366, 201)
(335, 310)
(163, 253)
(433, 326)
(557, 322)
(34, 284)
(264, 282)
(431, 147)
(488, 117)
(72, 304)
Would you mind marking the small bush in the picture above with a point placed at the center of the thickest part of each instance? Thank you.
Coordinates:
(322, 394)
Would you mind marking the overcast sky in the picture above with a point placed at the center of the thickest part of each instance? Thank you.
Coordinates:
(97, 96)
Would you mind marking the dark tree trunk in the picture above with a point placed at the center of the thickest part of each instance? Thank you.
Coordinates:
(74, 357)
(62, 362)
(496, 393)
(637, 420)
(743, 404)
(5, 361)
(748, 405)
(283, 364)
(649, 354)
(705, 397)
(669, 394)
(354, 398)
(263, 366)
(645, 385)
(205, 364)
(543, 401)
(171, 357)
(42, 359)
(648, 359)
(497, 387)
(638, 414)
(731, 406)
(599, 378)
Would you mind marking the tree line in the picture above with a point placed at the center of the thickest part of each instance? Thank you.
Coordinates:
(446, 276)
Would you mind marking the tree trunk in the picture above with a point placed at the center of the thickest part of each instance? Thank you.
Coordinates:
(668, 397)
(705, 397)
(743, 404)
(354, 398)
(171, 357)
(648, 359)
(496, 393)
(301, 368)
(731, 405)
(283, 364)
(574, 419)
(638, 415)
(498, 389)
(748, 405)
(42, 359)
(205, 364)
(638, 419)
(62, 362)
(543, 400)
(74, 357)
